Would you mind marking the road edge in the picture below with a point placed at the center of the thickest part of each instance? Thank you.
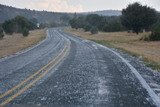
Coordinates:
(155, 98)
(26, 49)
(152, 94)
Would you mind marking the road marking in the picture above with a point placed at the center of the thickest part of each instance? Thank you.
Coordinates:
(55, 62)
(26, 80)
(23, 82)
(152, 94)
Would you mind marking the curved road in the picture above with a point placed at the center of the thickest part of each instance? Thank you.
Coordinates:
(88, 74)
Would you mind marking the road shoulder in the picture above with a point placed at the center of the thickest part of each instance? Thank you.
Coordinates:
(15, 44)
(151, 76)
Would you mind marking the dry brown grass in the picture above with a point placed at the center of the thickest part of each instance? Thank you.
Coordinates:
(150, 51)
(16, 42)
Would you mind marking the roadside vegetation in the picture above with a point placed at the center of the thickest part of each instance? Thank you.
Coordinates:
(1, 32)
(11, 44)
(136, 31)
(18, 24)
(135, 18)
(128, 42)
(19, 33)
(138, 18)
(98, 23)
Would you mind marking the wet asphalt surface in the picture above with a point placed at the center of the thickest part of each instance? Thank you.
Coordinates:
(89, 76)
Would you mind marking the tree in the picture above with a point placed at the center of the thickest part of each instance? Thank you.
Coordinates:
(137, 17)
(94, 19)
(17, 25)
(102, 23)
(65, 18)
(22, 23)
(33, 23)
(73, 23)
(8, 26)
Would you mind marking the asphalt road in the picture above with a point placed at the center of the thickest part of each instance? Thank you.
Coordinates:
(88, 74)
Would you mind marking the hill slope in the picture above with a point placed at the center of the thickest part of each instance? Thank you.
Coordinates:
(8, 12)
(106, 13)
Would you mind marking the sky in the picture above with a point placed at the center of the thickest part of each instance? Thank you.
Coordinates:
(77, 5)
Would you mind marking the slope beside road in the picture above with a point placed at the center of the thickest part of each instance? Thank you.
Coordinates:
(89, 75)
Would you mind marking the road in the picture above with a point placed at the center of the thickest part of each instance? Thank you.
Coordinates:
(65, 70)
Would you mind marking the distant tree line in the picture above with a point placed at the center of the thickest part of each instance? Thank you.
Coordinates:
(95, 23)
(18, 24)
(135, 18)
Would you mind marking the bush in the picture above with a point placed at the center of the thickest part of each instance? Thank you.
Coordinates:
(155, 36)
(94, 30)
(25, 32)
(1, 33)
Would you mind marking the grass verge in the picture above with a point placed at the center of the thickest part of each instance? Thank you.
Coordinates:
(128, 42)
(11, 44)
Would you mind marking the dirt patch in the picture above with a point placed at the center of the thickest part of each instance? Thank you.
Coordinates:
(130, 42)
(16, 42)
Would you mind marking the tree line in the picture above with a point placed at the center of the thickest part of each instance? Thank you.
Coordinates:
(19, 24)
(136, 18)
(95, 23)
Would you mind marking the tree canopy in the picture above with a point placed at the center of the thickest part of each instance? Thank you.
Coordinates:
(96, 22)
(18, 25)
(137, 17)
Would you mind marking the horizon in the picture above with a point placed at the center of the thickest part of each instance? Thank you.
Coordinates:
(61, 12)
(70, 6)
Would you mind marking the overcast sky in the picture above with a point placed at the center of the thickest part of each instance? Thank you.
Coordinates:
(77, 5)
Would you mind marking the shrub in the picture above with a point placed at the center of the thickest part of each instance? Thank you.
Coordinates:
(25, 32)
(1, 33)
(155, 36)
(94, 30)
